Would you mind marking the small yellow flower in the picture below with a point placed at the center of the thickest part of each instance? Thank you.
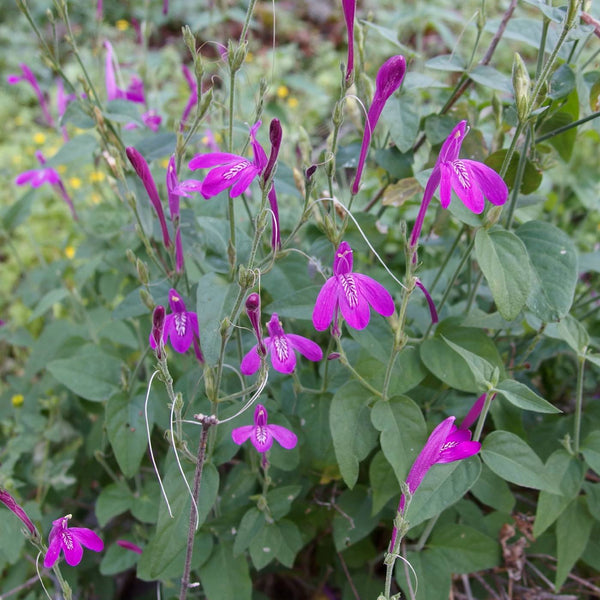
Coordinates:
(70, 252)
(17, 400)
(61, 169)
(96, 199)
(164, 163)
(292, 102)
(282, 91)
(97, 177)
(249, 57)
(39, 138)
(75, 183)
(122, 25)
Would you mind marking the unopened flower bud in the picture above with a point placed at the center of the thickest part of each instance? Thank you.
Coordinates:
(253, 312)
(130, 256)
(189, 39)
(158, 328)
(147, 299)
(521, 83)
(142, 271)
(333, 356)
(237, 55)
(11, 504)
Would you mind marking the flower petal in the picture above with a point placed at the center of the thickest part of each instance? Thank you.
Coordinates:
(464, 183)
(491, 184)
(251, 362)
(445, 185)
(325, 305)
(288, 439)
(53, 552)
(240, 434)
(180, 331)
(306, 347)
(353, 304)
(375, 294)
(213, 159)
(244, 180)
(282, 354)
(262, 438)
(87, 538)
(71, 547)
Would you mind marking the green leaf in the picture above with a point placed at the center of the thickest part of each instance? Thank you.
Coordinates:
(452, 368)
(446, 62)
(47, 302)
(403, 432)
(126, 428)
(280, 500)
(163, 556)
(573, 531)
(91, 374)
(481, 369)
(214, 301)
(250, 525)
(225, 576)
(265, 546)
(81, 145)
(493, 491)
(433, 574)
(291, 543)
(571, 331)
(591, 450)
(353, 435)
(443, 485)
(465, 549)
(402, 118)
(523, 397)
(491, 78)
(503, 259)
(113, 500)
(157, 146)
(123, 111)
(355, 518)
(532, 178)
(511, 458)
(562, 82)
(568, 472)
(116, 560)
(383, 481)
(77, 116)
(553, 260)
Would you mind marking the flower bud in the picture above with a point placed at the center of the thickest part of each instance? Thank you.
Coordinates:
(147, 299)
(158, 328)
(521, 83)
(142, 271)
(253, 312)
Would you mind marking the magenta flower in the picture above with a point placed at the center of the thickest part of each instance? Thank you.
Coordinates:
(27, 75)
(193, 99)
(157, 331)
(253, 312)
(281, 345)
(134, 92)
(388, 80)
(70, 540)
(262, 434)
(351, 293)
(349, 7)
(143, 172)
(181, 327)
(230, 170)
(474, 412)
(38, 177)
(429, 299)
(17, 510)
(446, 444)
(173, 192)
(129, 546)
(471, 180)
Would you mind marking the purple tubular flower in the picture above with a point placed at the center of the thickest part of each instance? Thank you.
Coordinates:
(474, 412)
(275, 135)
(143, 172)
(349, 7)
(230, 170)
(27, 75)
(261, 434)
(152, 120)
(181, 327)
(17, 510)
(173, 194)
(281, 345)
(388, 80)
(471, 180)
(445, 444)
(38, 177)
(351, 293)
(70, 541)
(135, 91)
(193, 99)
(431, 304)
(129, 546)
(253, 311)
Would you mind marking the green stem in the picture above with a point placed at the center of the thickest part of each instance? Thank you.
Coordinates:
(579, 400)
(518, 179)
(481, 421)
(564, 128)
